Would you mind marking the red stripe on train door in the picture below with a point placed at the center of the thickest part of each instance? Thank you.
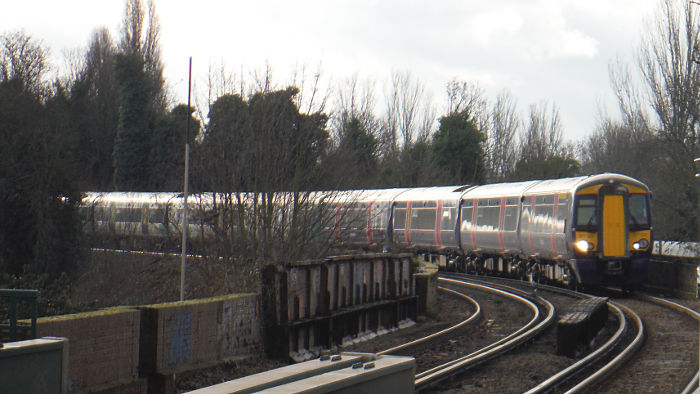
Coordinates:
(554, 220)
(501, 220)
(407, 230)
(532, 223)
(474, 216)
(438, 217)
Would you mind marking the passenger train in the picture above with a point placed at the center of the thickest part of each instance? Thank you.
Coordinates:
(588, 230)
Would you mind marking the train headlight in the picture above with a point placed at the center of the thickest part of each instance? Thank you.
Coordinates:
(584, 246)
(641, 244)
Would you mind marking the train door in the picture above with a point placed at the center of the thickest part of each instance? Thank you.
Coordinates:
(401, 224)
(614, 226)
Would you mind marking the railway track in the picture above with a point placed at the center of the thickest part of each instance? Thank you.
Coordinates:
(668, 362)
(543, 316)
(661, 354)
(590, 370)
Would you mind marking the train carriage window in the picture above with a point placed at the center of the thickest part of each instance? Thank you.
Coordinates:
(448, 218)
(423, 218)
(488, 215)
(638, 210)
(467, 211)
(586, 211)
(357, 216)
(378, 215)
(562, 214)
(400, 217)
(544, 212)
(127, 215)
(510, 220)
(102, 213)
(156, 215)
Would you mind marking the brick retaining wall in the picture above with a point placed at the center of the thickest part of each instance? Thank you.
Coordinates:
(103, 346)
(187, 335)
(120, 349)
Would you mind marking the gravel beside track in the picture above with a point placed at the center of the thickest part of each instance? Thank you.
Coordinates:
(669, 357)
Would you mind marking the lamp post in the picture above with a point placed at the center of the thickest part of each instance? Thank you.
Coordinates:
(185, 224)
(697, 274)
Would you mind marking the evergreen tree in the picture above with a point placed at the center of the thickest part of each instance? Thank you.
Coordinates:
(168, 148)
(132, 145)
(457, 150)
(355, 159)
(38, 198)
(94, 99)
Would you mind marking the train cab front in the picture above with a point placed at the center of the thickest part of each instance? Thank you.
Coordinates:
(612, 234)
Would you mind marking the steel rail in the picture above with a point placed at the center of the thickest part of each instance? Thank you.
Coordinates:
(530, 324)
(694, 383)
(571, 370)
(620, 359)
(443, 371)
(617, 361)
(476, 315)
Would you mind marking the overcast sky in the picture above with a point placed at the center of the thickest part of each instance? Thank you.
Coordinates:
(541, 50)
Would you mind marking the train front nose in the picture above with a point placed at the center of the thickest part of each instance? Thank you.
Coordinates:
(613, 267)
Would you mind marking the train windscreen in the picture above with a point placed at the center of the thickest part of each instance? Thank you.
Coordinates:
(586, 211)
(638, 211)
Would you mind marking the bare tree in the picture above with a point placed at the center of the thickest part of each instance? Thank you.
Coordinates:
(619, 147)
(463, 96)
(23, 59)
(428, 119)
(542, 137)
(667, 63)
(405, 98)
(666, 60)
(354, 100)
(630, 100)
(313, 94)
(501, 145)
(145, 44)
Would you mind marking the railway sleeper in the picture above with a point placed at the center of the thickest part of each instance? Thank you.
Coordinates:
(578, 326)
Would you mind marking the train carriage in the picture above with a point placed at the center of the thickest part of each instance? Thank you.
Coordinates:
(489, 218)
(426, 219)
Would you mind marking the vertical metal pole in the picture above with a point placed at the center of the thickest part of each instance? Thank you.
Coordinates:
(35, 312)
(185, 224)
(13, 318)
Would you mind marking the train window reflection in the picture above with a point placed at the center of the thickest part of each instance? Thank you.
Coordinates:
(467, 218)
(638, 210)
(423, 218)
(448, 219)
(586, 212)
(399, 218)
(510, 221)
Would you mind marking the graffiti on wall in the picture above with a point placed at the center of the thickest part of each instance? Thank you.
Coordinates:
(180, 338)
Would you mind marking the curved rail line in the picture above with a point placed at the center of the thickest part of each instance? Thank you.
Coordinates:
(560, 377)
(422, 341)
(694, 383)
(605, 349)
(536, 325)
(620, 359)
